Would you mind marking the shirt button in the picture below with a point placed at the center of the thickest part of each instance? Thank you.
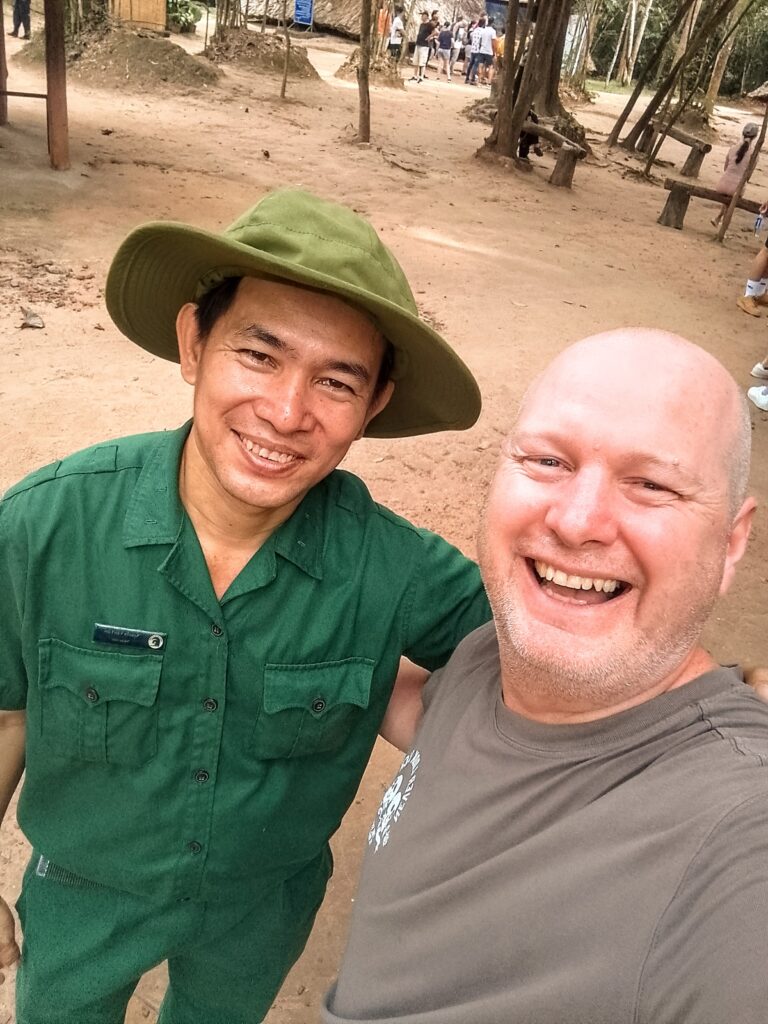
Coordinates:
(202, 775)
(194, 847)
(216, 629)
(318, 705)
(210, 704)
(91, 695)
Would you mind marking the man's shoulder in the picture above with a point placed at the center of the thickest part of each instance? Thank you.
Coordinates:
(350, 493)
(105, 457)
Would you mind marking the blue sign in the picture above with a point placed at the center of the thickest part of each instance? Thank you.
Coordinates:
(303, 12)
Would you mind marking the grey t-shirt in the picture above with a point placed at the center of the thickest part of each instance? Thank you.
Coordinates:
(614, 872)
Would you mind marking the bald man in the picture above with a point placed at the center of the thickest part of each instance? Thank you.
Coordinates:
(579, 831)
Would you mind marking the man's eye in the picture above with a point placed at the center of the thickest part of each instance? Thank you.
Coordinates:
(335, 385)
(255, 356)
(547, 461)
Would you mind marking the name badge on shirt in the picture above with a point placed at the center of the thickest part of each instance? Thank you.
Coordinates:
(126, 637)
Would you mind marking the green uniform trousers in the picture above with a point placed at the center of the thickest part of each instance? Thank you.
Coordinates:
(86, 946)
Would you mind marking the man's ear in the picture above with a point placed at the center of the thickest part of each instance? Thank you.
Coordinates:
(379, 403)
(190, 345)
(737, 541)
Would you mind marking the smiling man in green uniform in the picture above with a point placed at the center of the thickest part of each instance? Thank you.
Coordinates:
(201, 627)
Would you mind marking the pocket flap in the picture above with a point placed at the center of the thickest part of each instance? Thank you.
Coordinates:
(97, 676)
(318, 688)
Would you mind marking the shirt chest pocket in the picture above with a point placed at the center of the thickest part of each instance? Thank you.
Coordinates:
(311, 709)
(99, 705)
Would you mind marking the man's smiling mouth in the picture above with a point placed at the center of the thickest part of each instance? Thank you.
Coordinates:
(270, 454)
(580, 589)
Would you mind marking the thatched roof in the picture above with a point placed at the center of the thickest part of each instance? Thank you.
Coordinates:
(760, 93)
(344, 15)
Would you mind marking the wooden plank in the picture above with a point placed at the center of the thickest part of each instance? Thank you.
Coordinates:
(685, 137)
(26, 95)
(56, 75)
(551, 136)
(752, 205)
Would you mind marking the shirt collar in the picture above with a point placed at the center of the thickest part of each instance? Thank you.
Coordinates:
(155, 511)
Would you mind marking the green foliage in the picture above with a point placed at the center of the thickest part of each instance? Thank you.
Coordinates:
(748, 66)
(183, 13)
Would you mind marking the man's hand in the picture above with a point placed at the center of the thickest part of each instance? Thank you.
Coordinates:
(9, 949)
(757, 677)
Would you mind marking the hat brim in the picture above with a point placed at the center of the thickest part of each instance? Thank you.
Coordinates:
(159, 268)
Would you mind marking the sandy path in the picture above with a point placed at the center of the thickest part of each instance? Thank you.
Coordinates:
(510, 267)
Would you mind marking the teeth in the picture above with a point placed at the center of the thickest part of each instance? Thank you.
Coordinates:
(265, 453)
(562, 579)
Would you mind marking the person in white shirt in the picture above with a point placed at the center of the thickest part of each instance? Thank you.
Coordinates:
(396, 34)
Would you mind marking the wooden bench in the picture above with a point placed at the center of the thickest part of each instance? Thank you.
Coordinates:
(680, 194)
(699, 149)
(569, 153)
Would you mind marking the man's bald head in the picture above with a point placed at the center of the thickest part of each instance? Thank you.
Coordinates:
(615, 519)
(638, 365)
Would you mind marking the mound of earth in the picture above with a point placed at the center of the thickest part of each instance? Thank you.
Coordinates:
(260, 52)
(383, 71)
(128, 60)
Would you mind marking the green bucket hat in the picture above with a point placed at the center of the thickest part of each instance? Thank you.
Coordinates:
(300, 238)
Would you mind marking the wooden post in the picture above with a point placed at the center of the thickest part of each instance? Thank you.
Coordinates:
(56, 75)
(744, 178)
(675, 208)
(565, 165)
(692, 165)
(3, 71)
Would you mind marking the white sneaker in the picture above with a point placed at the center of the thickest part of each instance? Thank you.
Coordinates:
(759, 397)
(760, 371)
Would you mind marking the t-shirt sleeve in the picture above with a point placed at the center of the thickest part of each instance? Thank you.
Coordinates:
(13, 676)
(709, 959)
(447, 601)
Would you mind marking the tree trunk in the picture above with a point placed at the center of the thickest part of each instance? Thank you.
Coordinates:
(546, 95)
(617, 51)
(721, 61)
(363, 74)
(629, 42)
(543, 42)
(500, 139)
(649, 70)
(287, 37)
(639, 39)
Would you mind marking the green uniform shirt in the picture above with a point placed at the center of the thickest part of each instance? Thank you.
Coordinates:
(184, 746)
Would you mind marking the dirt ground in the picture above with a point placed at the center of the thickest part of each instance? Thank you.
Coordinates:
(511, 268)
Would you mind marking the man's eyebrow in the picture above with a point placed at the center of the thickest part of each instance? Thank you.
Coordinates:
(635, 458)
(356, 370)
(255, 332)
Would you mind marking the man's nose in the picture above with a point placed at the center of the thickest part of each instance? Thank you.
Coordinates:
(287, 405)
(584, 510)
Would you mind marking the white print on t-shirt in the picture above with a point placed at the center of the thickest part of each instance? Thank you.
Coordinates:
(393, 801)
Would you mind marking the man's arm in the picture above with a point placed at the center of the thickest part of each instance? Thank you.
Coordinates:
(405, 708)
(12, 736)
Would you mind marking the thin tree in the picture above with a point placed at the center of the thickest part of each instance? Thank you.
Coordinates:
(638, 40)
(287, 37)
(723, 55)
(363, 73)
(619, 44)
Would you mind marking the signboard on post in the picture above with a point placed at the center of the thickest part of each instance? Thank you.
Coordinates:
(303, 12)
